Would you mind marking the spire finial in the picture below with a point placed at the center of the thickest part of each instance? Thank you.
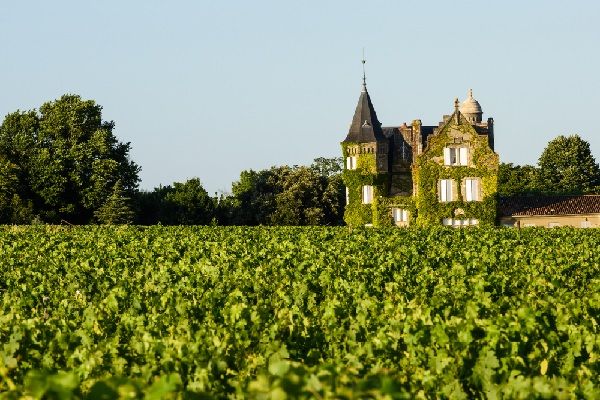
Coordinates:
(470, 93)
(364, 74)
(456, 112)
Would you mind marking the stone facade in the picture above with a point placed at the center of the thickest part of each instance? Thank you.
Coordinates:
(581, 211)
(428, 175)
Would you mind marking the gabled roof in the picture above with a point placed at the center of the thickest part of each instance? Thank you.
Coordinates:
(365, 126)
(549, 205)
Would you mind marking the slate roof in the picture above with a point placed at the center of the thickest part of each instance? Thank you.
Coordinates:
(365, 126)
(549, 205)
(389, 131)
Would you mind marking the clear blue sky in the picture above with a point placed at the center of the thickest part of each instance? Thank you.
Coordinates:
(210, 88)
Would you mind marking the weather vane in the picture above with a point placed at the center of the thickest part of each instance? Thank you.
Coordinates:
(364, 74)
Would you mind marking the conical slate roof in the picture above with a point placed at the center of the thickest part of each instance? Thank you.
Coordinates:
(365, 126)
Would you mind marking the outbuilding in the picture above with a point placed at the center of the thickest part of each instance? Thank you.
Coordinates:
(581, 211)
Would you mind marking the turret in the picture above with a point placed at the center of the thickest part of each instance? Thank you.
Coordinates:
(471, 109)
(365, 150)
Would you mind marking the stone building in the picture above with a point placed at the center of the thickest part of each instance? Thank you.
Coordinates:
(581, 211)
(420, 174)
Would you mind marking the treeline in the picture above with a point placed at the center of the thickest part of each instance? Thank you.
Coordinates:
(63, 164)
(566, 166)
(283, 195)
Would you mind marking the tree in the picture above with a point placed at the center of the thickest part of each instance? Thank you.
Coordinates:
(67, 159)
(567, 166)
(286, 196)
(116, 210)
(299, 201)
(328, 167)
(517, 179)
(253, 197)
(185, 203)
(188, 203)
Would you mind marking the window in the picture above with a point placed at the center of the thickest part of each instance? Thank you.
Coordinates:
(446, 190)
(553, 225)
(455, 156)
(586, 224)
(367, 194)
(471, 189)
(399, 215)
(457, 223)
(351, 162)
(347, 195)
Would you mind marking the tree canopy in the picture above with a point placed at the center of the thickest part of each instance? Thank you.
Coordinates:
(567, 166)
(61, 162)
(183, 203)
(284, 195)
(517, 179)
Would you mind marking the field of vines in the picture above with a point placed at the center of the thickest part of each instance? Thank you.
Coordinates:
(276, 313)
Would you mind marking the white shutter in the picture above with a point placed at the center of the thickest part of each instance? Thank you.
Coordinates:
(447, 221)
(447, 156)
(347, 195)
(449, 190)
(348, 162)
(472, 189)
(462, 156)
(404, 216)
(367, 194)
(443, 184)
(468, 189)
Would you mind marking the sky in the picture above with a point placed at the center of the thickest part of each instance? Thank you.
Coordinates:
(211, 88)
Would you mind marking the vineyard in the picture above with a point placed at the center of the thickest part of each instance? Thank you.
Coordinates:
(275, 313)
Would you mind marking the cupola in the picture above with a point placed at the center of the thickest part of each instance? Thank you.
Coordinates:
(471, 109)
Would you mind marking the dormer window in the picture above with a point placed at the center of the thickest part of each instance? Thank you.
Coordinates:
(454, 156)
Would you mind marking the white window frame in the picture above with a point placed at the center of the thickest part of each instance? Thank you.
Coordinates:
(446, 191)
(400, 215)
(472, 189)
(459, 222)
(367, 194)
(455, 156)
(351, 162)
(586, 224)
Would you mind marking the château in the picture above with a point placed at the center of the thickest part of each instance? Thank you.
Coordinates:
(444, 174)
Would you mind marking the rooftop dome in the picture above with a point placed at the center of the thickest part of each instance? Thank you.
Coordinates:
(470, 105)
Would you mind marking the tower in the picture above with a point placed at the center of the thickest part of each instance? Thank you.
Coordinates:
(365, 151)
(471, 109)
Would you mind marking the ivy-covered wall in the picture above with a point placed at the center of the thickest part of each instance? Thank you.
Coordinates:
(384, 210)
(365, 173)
(424, 206)
(429, 169)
